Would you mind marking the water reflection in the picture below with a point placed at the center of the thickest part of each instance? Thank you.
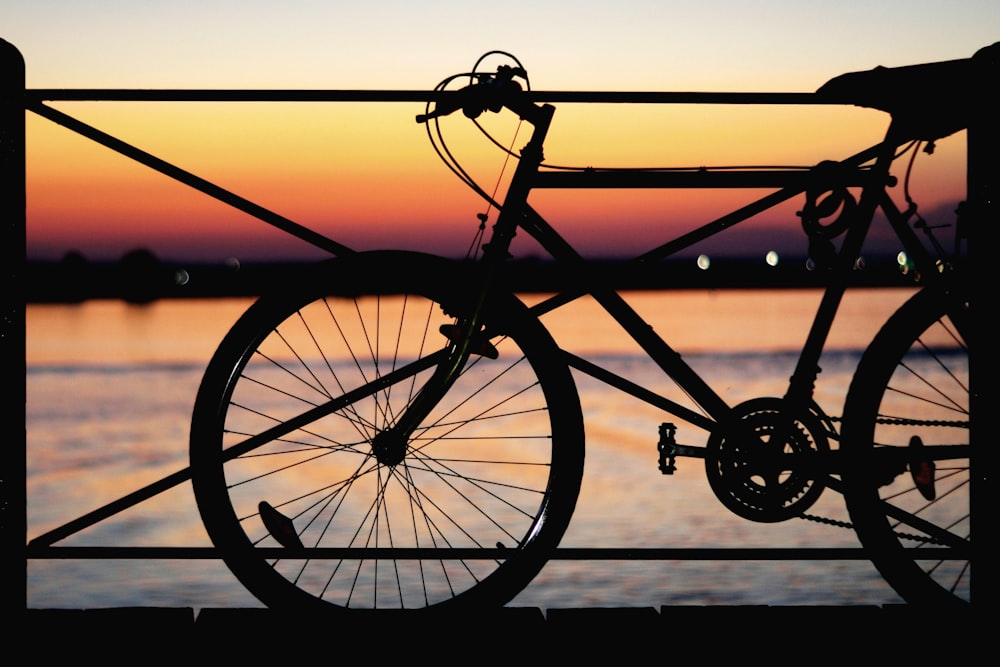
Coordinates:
(111, 388)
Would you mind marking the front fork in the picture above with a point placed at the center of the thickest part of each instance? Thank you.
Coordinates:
(390, 445)
(467, 336)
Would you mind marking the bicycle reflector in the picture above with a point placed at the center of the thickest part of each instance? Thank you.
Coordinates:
(922, 469)
(280, 526)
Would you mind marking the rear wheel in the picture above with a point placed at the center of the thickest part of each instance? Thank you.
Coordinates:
(906, 434)
(309, 495)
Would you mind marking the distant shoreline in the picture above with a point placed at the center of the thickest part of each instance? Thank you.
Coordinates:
(59, 282)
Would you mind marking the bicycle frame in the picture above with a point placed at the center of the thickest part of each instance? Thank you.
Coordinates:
(868, 169)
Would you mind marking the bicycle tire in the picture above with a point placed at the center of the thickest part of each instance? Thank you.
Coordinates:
(492, 475)
(909, 503)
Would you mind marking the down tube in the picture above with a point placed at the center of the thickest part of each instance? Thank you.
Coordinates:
(668, 359)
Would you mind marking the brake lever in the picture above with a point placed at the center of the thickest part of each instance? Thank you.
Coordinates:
(487, 94)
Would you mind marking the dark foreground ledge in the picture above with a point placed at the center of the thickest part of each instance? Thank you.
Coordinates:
(512, 634)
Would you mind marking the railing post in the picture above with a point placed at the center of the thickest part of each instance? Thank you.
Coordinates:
(13, 521)
(983, 176)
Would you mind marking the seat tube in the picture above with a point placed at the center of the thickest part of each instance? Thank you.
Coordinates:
(802, 382)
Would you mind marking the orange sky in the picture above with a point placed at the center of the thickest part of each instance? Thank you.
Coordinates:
(365, 175)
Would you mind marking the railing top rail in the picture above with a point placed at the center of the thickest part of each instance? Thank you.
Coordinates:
(322, 95)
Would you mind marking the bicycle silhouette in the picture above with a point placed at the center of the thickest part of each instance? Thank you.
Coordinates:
(400, 429)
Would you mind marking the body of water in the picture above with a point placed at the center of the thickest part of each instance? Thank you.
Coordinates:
(110, 389)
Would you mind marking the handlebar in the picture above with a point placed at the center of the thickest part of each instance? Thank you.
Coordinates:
(491, 92)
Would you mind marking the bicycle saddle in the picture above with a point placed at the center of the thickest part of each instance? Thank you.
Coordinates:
(927, 101)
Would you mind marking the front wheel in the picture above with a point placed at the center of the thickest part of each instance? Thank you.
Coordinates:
(906, 434)
(309, 493)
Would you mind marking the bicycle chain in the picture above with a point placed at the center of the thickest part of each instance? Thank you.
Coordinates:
(827, 521)
(895, 421)
(926, 539)
(900, 421)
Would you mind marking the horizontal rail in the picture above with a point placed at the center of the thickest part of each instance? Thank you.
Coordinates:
(610, 553)
(274, 95)
(270, 217)
(690, 178)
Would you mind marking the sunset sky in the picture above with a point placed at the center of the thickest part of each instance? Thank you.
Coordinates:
(364, 173)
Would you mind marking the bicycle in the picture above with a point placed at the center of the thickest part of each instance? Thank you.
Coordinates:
(401, 431)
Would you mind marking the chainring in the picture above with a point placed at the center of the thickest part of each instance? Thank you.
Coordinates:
(761, 466)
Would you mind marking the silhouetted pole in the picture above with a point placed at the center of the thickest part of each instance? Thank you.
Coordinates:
(13, 520)
(983, 176)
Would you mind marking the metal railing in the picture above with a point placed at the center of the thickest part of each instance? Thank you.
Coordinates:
(16, 100)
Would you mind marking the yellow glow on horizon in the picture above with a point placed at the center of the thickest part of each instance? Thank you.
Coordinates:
(364, 172)
(709, 135)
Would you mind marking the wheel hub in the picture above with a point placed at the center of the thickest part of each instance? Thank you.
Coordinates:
(389, 447)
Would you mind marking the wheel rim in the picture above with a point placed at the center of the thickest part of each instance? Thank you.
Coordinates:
(482, 476)
(911, 506)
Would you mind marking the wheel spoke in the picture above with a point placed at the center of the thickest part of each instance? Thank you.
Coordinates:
(296, 423)
(907, 417)
(294, 440)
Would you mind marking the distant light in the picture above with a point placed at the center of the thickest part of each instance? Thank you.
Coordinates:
(182, 277)
(904, 263)
(233, 263)
(703, 262)
(771, 258)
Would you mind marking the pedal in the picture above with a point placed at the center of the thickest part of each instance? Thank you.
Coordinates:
(667, 447)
